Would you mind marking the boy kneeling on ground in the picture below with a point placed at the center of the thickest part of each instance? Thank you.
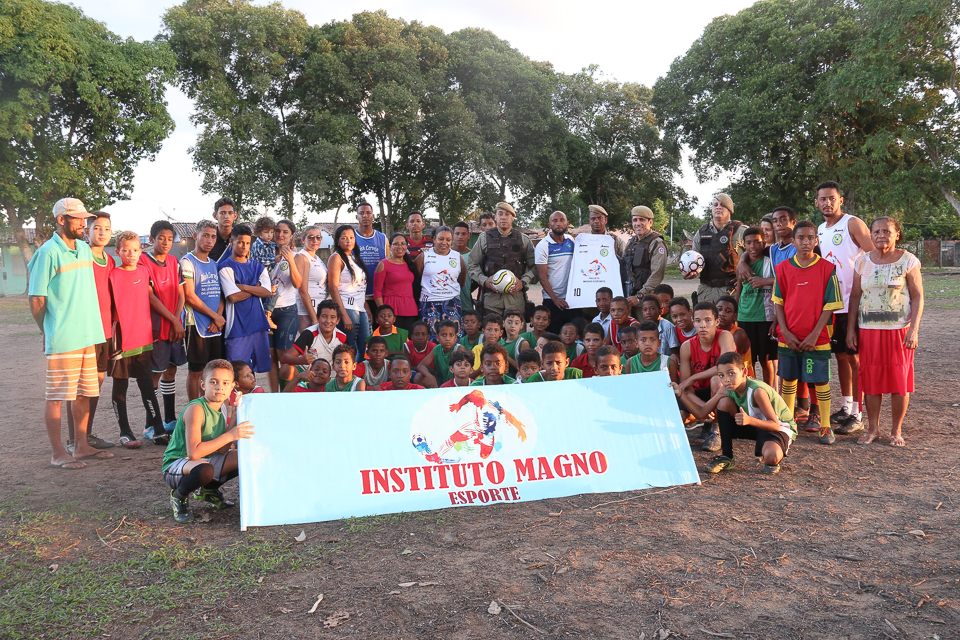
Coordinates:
(201, 454)
(746, 409)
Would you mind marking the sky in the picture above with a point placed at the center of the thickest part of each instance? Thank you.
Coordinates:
(630, 42)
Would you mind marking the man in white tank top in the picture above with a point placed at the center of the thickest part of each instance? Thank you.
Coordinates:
(843, 238)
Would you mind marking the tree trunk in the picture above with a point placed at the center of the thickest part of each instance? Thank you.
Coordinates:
(951, 198)
(20, 236)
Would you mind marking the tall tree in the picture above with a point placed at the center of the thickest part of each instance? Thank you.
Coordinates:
(79, 108)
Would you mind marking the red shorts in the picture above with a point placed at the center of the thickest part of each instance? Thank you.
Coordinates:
(886, 366)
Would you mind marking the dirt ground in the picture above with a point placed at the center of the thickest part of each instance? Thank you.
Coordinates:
(823, 550)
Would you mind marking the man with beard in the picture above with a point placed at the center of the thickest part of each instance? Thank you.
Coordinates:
(554, 254)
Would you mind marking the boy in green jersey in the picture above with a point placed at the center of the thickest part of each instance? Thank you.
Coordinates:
(201, 455)
(493, 365)
(649, 358)
(344, 362)
(471, 330)
(514, 343)
(608, 361)
(434, 369)
(555, 365)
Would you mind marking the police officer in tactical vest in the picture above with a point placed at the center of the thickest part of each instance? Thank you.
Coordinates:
(502, 247)
(644, 259)
(720, 242)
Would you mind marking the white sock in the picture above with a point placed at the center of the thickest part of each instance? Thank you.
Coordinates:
(848, 404)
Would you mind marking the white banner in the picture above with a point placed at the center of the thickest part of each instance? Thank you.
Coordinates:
(594, 265)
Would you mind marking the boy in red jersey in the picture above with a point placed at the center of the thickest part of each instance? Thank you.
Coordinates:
(461, 367)
(400, 370)
(132, 340)
(805, 295)
(619, 318)
(166, 305)
(592, 341)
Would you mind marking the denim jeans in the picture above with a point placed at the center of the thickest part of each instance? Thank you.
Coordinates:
(357, 337)
(286, 332)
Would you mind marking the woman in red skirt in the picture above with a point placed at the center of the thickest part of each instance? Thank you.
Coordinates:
(887, 302)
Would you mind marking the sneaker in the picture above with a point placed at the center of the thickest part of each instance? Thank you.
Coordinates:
(163, 439)
(168, 426)
(69, 446)
(718, 464)
(839, 416)
(712, 441)
(181, 509)
(99, 443)
(848, 426)
(214, 497)
(813, 422)
(148, 433)
(826, 435)
(771, 468)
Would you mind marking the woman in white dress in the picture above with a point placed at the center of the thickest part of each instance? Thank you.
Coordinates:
(347, 286)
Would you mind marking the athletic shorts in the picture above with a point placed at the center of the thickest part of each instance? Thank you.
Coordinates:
(762, 437)
(253, 349)
(103, 356)
(800, 365)
(174, 473)
(762, 347)
(838, 343)
(136, 367)
(703, 394)
(167, 352)
(201, 350)
(72, 373)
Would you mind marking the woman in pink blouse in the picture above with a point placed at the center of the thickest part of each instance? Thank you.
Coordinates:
(393, 283)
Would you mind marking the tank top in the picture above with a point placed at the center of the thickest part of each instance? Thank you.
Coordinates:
(317, 278)
(373, 379)
(213, 426)
(441, 362)
(286, 292)
(353, 291)
(351, 386)
(206, 286)
(837, 246)
(440, 280)
(701, 360)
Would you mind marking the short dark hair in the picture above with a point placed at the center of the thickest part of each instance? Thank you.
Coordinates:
(345, 348)
(596, 329)
(650, 298)
(513, 312)
(731, 357)
(471, 312)
(241, 230)
(790, 212)
(804, 224)
(630, 330)
(328, 304)
(387, 307)
(680, 301)
(446, 324)
(460, 224)
(706, 306)
(829, 184)
(263, 223)
(161, 225)
(460, 354)
(375, 340)
(752, 231)
(419, 323)
(575, 328)
(731, 300)
(492, 318)
(364, 204)
(238, 366)
(528, 355)
(551, 337)
(398, 357)
(217, 365)
(97, 215)
(606, 350)
(663, 288)
(646, 325)
(494, 349)
(543, 308)
(619, 299)
(554, 346)
(486, 215)
(606, 290)
(414, 213)
(222, 202)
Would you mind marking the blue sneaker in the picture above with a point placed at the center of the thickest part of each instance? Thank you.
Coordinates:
(168, 426)
(148, 433)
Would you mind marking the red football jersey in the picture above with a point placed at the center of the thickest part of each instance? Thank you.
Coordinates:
(165, 280)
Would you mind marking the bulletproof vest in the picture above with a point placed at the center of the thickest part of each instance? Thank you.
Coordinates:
(635, 263)
(719, 256)
(503, 252)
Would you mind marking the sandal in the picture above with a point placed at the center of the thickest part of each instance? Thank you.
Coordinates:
(99, 455)
(69, 465)
(129, 442)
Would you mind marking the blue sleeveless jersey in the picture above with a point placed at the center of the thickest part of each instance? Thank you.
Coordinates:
(206, 284)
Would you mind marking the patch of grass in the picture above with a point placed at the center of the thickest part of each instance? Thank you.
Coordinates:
(365, 524)
(147, 573)
(941, 292)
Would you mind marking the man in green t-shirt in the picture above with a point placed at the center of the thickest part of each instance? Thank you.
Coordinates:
(746, 409)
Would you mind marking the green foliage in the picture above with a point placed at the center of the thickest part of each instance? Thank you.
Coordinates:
(79, 108)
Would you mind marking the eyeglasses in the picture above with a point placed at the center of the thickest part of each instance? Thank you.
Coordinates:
(314, 238)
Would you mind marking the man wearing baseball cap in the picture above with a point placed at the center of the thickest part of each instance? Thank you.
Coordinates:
(645, 258)
(720, 241)
(64, 303)
(502, 247)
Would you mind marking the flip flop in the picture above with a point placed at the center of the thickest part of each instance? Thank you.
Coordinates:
(99, 455)
(66, 465)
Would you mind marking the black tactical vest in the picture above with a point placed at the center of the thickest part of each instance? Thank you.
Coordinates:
(719, 256)
(503, 252)
(635, 263)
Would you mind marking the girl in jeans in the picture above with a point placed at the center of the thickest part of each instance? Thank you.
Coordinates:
(347, 286)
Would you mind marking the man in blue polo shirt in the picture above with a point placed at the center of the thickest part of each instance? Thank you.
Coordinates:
(554, 254)
(372, 245)
(64, 304)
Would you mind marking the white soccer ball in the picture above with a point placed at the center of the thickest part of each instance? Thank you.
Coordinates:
(503, 280)
(691, 262)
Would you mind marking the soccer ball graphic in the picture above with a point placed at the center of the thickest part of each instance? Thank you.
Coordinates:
(691, 262)
(503, 280)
